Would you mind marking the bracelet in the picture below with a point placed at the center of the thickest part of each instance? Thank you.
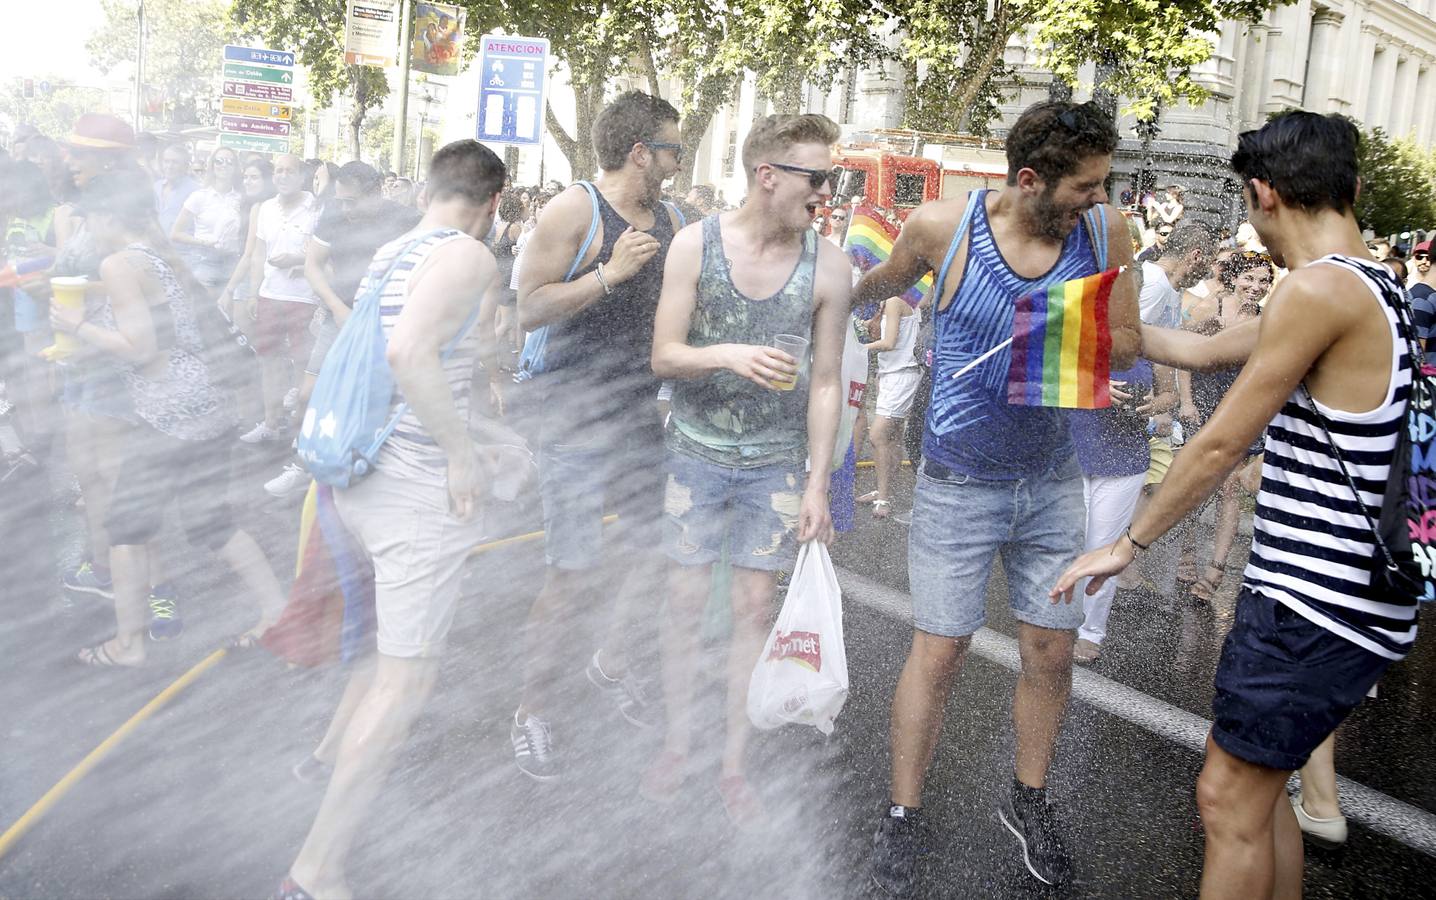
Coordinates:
(1133, 541)
(598, 273)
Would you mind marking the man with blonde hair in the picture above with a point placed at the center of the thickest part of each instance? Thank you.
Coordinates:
(745, 415)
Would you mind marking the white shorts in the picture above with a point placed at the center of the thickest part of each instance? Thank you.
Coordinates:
(896, 391)
(418, 550)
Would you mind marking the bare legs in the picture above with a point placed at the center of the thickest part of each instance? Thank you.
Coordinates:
(1318, 781)
(887, 453)
(926, 683)
(273, 383)
(753, 593)
(688, 588)
(380, 724)
(1253, 840)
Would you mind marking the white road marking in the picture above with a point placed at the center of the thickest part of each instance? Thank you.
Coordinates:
(1396, 819)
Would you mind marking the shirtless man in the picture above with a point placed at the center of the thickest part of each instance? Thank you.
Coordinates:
(996, 477)
(1312, 634)
(741, 427)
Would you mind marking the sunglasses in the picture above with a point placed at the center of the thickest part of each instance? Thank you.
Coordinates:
(837, 217)
(1421, 257)
(666, 145)
(816, 177)
(1072, 118)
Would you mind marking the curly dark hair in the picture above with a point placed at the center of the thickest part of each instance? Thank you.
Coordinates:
(1053, 138)
(1241, 262)
(632, 118)
(1308, 159)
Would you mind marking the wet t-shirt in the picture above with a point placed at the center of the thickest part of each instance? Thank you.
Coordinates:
(1112, 442)
(353, 239)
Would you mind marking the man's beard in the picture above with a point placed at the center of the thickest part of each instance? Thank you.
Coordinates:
(1050, 219)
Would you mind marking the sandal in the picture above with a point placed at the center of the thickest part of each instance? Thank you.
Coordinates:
(1186, 572)
(1085, 651)
(244, 642)
(880, 508)
(289, 889)
(869, 497)
(1205, 588)
(100, 658)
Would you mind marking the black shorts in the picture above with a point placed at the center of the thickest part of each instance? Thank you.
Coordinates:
(155, 469)
(1284, 683)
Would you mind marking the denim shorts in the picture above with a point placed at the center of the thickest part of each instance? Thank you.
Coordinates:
(325, 330)
(580, 476)
(1283, 684)
(753, 510)
(959, 523)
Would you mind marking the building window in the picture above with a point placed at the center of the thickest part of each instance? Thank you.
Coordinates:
(730, 155)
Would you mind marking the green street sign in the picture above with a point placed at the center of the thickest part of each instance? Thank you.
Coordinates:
(241, 72)
(254, 143)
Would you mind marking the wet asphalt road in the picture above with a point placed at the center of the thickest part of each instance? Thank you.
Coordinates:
(200, 803)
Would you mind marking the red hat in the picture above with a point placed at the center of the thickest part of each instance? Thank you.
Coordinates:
(99, 131)
(1424, 245)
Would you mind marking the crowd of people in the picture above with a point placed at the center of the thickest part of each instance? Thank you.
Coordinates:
(681, 365)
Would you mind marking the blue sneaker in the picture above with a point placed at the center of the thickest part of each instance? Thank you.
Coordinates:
(85, 580)
(165, 622)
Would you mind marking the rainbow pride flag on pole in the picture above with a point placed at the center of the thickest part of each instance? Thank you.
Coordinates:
(870, 241)
(1062, 346)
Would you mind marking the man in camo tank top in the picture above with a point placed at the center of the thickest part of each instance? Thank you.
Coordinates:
(745, 417)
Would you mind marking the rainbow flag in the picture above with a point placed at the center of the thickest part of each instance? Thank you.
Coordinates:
(1061, 345)
(870, 241)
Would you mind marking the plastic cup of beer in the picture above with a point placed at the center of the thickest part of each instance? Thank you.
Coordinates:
(68, 292)
(796, 347)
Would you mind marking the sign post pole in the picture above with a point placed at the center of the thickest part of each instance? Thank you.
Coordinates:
(401, 118)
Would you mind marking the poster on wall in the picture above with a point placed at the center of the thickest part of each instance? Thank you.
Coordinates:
(371, 33)
(437, 39)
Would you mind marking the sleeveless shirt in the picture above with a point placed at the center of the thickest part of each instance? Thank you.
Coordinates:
(970, 427)
(725, 419)
(1311, 548)
(606, 348)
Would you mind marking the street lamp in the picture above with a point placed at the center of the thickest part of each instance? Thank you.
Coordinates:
(139, 65)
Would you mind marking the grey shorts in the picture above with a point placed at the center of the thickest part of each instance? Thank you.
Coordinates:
(582, 476)
(960, 523)
(325, 330)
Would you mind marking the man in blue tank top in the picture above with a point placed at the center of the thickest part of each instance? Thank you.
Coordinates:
(744, 293)
(994, 477)
(591, 291)
(1327, 376)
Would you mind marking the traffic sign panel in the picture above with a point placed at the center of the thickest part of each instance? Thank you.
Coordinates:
(511, 94)
(242, 72)
(257, 109)
(253, 143)
(239, 125)
(270, 92)
(261, 55)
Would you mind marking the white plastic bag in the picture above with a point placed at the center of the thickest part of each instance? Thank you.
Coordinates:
(802, 674)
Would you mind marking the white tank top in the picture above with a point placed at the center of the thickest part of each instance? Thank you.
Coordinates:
(901, 355)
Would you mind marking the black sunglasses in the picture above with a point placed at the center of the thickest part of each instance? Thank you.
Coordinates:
(666, 145)
(816, 177)
(1421, 257)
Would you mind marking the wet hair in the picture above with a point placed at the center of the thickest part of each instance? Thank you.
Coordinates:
(1243, 262)
(1398, 267)
(332, 171)
(1308, 159)
(360, 175)
(511, 206)
(772, 136)
(126, 195)
(24, 188)
(1188, 237)
(465, 169)
(632, 118)
(1054, 138)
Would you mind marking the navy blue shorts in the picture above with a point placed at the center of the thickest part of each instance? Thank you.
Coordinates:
(1284, 684)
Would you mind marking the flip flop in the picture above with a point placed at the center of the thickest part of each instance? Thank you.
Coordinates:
(880, 508)
(247, 641)
(869, 497)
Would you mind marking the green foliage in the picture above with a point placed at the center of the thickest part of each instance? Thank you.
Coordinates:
(1398, 184)
(55, 112)
(377, 142)
(184, 41)
(952, 54)
(315, 29)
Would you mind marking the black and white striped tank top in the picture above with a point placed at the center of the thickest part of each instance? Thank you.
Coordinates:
(1311, 548)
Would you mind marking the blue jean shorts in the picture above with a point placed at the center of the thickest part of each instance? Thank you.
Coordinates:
(755, 510)
(581, 476)
(959, 523)
(1283, 684)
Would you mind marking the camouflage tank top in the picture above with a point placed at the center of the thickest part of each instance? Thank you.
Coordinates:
(729, 420)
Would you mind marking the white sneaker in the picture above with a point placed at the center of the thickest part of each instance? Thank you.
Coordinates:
(261, 433)
(1329, 833)
(291, 398)
(293, 480)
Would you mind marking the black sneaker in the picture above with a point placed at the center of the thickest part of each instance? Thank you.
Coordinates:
(627, 693)
(896, 846)
(1036, 828)
(533, 748)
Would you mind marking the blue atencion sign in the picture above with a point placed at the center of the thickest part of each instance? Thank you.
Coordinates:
(513, 85)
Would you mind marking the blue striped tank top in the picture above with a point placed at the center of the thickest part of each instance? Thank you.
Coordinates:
(970, 427)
